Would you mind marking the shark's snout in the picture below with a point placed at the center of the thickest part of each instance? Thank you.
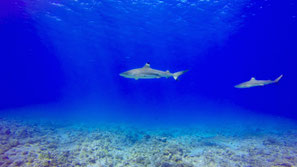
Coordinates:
(124, 74)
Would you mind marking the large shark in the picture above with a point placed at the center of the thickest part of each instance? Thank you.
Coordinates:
(253, 82)
(146, 72)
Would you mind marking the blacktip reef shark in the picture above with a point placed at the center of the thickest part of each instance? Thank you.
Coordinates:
(253, 82)
(146, 72)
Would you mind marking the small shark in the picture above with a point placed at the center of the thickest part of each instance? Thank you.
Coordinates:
(146, 72)
(253, 82)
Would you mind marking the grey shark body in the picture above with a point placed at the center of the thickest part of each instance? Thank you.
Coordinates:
(146, 72)
(253, 82)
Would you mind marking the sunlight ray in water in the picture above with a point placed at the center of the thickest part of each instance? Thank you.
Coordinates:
(148, 83)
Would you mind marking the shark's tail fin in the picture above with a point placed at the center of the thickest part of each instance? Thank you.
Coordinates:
(277, 79)
(177, 74)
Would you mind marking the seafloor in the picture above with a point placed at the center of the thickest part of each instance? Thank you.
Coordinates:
(49, 143)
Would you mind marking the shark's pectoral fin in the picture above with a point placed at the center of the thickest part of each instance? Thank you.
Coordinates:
(136, 78)
(158, 77)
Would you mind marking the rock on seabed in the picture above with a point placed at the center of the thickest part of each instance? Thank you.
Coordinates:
(75, 145)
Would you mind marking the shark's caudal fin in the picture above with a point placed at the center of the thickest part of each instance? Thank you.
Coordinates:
(177, 74)
(277, 79)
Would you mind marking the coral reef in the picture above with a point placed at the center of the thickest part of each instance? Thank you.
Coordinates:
(65, 144)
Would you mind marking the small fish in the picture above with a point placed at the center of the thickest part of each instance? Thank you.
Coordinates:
(253, 82)
(146, 72)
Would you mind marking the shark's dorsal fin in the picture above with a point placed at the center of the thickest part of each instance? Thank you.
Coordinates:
(167, 71)
(253, 78)
(147, 65)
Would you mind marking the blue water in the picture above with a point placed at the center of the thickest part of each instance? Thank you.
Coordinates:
(61, 60)
(71, 53)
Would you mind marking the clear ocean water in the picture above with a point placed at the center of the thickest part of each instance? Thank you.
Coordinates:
(63, 102)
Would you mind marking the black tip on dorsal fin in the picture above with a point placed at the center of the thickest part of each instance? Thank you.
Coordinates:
(147, 64)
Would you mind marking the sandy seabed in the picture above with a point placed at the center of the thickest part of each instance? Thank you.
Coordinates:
(48, 143)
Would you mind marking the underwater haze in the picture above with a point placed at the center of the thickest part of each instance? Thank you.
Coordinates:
(63, 101)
